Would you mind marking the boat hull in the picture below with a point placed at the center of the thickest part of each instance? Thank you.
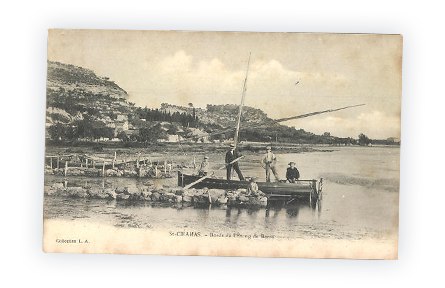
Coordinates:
(304, 189)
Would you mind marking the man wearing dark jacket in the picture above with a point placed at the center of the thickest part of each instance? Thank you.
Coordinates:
(292, 173)
(230, 156)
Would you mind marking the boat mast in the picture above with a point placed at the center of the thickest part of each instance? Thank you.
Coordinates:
(235, 138)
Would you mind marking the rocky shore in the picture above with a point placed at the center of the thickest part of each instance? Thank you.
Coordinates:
(168, 195)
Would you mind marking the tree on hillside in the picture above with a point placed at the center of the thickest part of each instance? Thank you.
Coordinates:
(152, 134)
(123, 137)
(186, 132)
(85, 128)
(363, 140)
(57, 131)
(172, 129)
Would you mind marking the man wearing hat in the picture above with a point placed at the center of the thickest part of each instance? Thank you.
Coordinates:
(231, 155)
(203, 168)
(292, 173)
(268, 162)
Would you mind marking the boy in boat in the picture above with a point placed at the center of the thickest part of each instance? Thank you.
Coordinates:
(252, 188)
(292, 173)
(268, 162)
(231, 155)
(203, 167)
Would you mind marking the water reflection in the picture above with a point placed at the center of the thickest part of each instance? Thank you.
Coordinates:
(292, 208)
(232, 215)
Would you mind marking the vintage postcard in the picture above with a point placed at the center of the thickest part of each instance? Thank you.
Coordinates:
(223, 144)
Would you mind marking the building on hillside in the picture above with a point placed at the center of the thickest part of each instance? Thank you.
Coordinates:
(172, 138)
(120, 126)
(122, 118)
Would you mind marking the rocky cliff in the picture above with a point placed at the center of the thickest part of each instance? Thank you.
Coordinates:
(71, 78)
(75, 93)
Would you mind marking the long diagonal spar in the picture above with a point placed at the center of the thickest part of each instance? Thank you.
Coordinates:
(277, 121)
(315, 113)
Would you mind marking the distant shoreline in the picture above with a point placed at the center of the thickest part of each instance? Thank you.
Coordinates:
(187, 148)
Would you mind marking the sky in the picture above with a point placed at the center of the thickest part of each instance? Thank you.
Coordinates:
(333, 70)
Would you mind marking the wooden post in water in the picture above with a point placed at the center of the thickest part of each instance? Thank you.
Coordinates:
(156, 171)
(66, 167)
(94, 163)
(103, 169)
(51, 162)
(86, 163)
(57, 162)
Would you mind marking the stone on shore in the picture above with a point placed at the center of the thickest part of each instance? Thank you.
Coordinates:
(177, 191)
(146, 195)
(168, 197)
(187, 198)
(221, 200)
(155, 196)
(201, 196)
(113, 172)
(257, 200)
(132, 191)
(121, 190)
(122, 196)
(97, 193)
(177, 198)
(78, 192)
(215, 194)
(110, 192)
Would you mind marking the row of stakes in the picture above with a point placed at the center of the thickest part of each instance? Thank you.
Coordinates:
(94, 164)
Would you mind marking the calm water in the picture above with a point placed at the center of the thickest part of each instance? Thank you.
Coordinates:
(360, 200)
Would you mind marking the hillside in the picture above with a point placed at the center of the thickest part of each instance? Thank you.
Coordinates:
(73, 78)
(76, 94)
(84, 106)
(221, 115)
(219, 122)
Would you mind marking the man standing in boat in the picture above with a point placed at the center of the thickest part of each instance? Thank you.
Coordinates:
(268, 162)
(231, 155)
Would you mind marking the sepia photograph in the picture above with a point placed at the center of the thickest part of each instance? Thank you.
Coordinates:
(223, 143)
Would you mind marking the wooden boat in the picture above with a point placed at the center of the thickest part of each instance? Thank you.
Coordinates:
(306, 189)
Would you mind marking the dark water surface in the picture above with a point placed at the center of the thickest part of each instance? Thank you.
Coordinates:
(360, 200)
